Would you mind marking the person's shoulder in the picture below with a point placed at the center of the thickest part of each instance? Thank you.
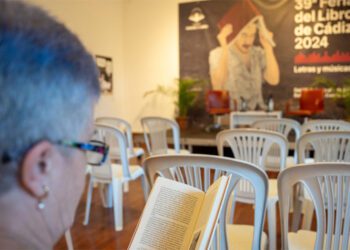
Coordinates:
(214, 55)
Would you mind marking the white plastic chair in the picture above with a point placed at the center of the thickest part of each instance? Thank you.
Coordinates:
(155, 131)
(284, 126)
(325, 125)
(200, 171)
(124, 126)
(328, 146)
(253, 145)
(329, 187)
(114, 174)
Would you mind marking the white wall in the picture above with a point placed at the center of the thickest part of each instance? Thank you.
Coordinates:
(142, 38)
(99, 25)
(151, 57)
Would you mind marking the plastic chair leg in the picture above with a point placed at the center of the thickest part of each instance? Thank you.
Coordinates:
(297, 207)
(118, 204)
(103, 195)
(309, 211)
(271, 220)
(145, 187)
(126, 187)
(88, 202)
(69, 240)
(109, 195)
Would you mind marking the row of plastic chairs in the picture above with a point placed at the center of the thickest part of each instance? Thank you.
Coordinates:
(156, 129)
(121, 173)
(332, 230)
(155, 132)
(253, 146)
(327, 146)
(270, 152)
(288, 126)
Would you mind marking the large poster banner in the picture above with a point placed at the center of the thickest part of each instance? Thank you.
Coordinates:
(258, 48)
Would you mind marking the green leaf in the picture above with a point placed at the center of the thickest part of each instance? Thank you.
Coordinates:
(185, 93)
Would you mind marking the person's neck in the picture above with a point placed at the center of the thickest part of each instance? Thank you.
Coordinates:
(21, 224)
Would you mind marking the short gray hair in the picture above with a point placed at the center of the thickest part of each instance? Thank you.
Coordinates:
(48, 83)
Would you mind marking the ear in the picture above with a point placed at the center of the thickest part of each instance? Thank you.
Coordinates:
(35, 167)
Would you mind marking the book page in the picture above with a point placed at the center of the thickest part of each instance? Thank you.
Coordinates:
(209, 214)
(169, 217)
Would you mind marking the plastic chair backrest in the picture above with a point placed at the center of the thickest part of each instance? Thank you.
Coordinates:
(201, 170)
(155, 131)
(329, 187)
(122, 125)
(217, 101)
(328, 146)
(114, 138)
(252, 145)
(283, 126)
(312, 99)
(325, 125)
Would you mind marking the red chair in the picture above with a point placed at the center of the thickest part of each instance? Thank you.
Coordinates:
(217, 103)
(311, 102)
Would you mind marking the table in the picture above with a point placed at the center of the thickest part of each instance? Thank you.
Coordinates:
(247, 118)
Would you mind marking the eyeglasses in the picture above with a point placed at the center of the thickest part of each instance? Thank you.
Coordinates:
(96, 151)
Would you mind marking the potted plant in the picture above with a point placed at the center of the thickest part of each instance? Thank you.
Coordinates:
(343, 96)
(340, 93)
(323, 82)
(184, 93)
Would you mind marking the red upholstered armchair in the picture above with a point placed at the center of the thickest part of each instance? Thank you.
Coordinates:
(311, 102)
(217, 104)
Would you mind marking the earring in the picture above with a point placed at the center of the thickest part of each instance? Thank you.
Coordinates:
(41, 203)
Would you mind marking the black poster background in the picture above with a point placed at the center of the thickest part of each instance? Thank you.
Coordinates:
(195, 46)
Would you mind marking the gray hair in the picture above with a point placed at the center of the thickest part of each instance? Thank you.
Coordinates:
(48, 83)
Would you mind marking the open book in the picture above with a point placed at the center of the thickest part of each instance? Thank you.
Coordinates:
(179, 216)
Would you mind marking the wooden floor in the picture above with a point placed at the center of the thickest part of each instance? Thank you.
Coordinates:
(100, 233)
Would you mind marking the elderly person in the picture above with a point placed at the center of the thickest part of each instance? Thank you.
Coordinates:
(48, 89)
